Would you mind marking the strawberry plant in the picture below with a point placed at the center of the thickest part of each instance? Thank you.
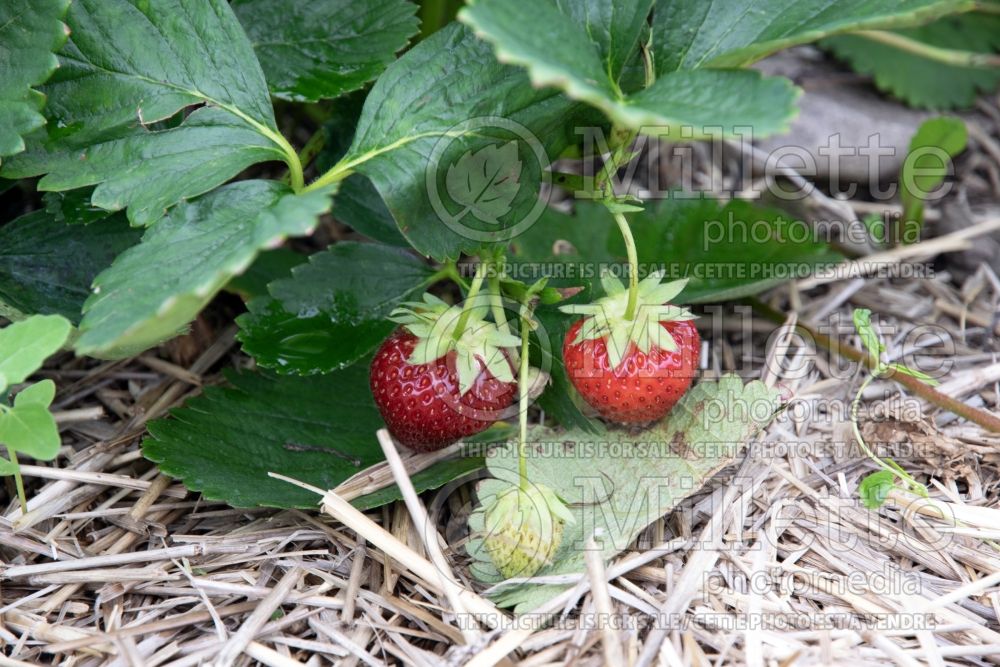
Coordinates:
(171, 142)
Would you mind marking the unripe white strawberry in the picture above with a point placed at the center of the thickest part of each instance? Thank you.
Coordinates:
(524, 528)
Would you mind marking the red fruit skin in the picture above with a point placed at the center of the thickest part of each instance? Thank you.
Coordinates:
(421, 404)
(645, 386)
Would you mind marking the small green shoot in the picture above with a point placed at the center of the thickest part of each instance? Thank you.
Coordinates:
(933, 146)
(27, 426)
(874, 488)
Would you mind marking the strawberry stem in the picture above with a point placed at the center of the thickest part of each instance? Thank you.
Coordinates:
(470, 299)
(522, 388)
(633, 266)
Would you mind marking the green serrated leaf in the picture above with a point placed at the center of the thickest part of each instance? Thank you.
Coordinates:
(30, 32)
(41, 393)
(48, 260)
(679, 105)
(30, 429)
(319, 50)
(154, 289)
(922, 82)
(457, 94)
(722, 249)
(617, 483)
(149, 172)
(875, 487)
(25, 345)
(731, 33)
(131, 63)
(269, 266)
(485, 181)
(331, 311)
(320, 430)
(73, 207)
(360, 206)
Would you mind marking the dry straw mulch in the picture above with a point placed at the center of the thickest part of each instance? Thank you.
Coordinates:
(775, 562)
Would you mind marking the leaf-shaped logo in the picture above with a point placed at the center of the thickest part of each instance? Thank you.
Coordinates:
(486, 181)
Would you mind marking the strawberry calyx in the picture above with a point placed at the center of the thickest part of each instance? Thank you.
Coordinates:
(478, 344)
(606, 317)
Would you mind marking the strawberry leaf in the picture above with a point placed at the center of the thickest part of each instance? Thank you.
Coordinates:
(618, 482)
(47, 262)
(731, 33)
(331, 311)
(485, 182)
(679, 105)
(922, 82)
(319, 429)
(129, 64)
(154, 289)
(313, 50)
(726, 251)
(30, 31)
(458, 99)
(360, 206)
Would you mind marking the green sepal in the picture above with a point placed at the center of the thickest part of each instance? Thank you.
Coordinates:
(605, 318)
(480, 346)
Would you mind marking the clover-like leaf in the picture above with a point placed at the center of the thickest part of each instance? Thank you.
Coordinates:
(25, 345)
(131, 63)
(486, 181)
(30, 32)
(30, 429)
(618, 482)
(7, 468)
(41, 393)
(319, 49)
(875, 487)
(154, 289)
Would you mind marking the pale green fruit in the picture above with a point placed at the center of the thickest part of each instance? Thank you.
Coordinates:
(524, 529)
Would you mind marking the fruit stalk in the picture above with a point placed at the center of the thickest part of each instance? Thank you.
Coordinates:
(633, 265)
(522, 388)
(470, 299)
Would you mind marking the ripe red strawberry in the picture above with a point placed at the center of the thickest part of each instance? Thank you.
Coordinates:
(432, 390)
(632, 371)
